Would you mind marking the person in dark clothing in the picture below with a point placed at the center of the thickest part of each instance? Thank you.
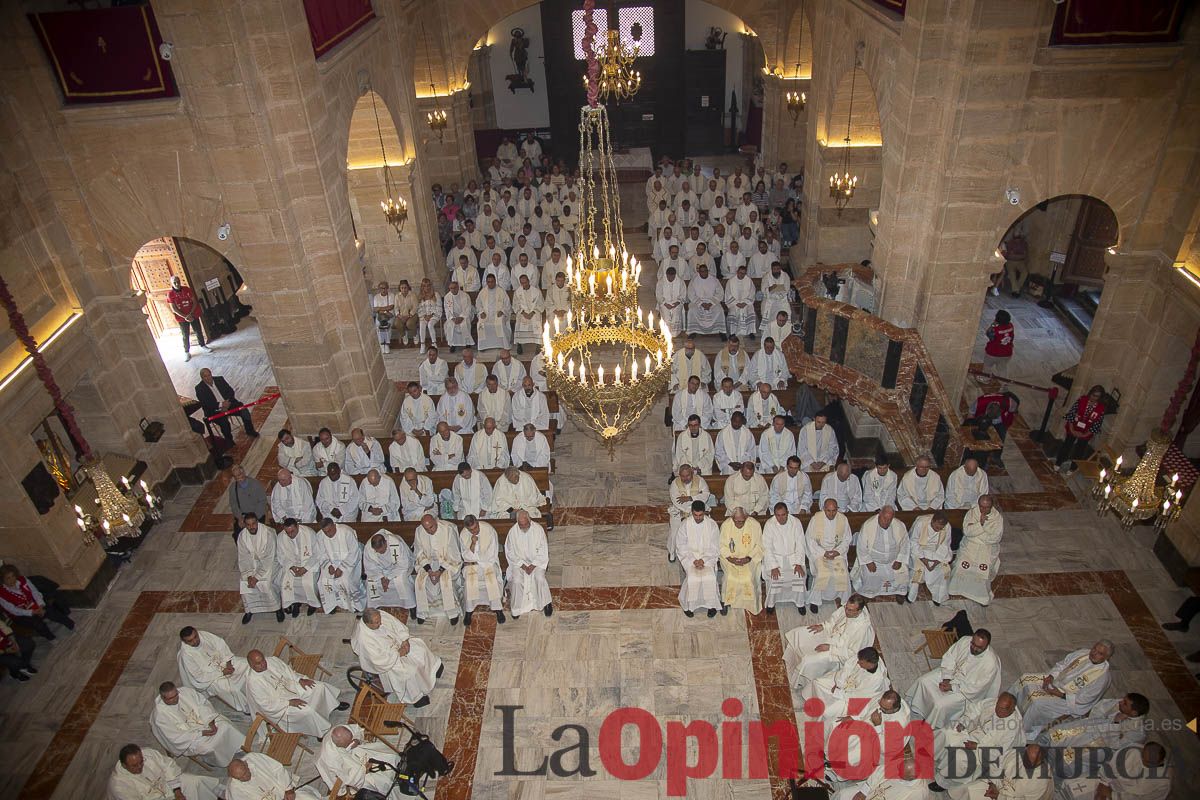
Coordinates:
(22, 600)
(1189, 609)
(1083, 421)
(16, 651)
(216, 395)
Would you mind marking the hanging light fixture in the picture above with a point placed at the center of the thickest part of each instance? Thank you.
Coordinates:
(842, 185)
(437, 118)
(796, 100)
(618, 80)
(1140, 496)
(395, 210)
(611, 361)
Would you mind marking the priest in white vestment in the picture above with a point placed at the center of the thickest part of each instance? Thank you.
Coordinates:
(726, 401)
(739, 304)
(257, 776)
(689, 362)
(671, 292)
(456, 409)
(988, 724)
(346, 757)
(888, 782)
(735, 445)
(300, 557)
(731, 362)
(257, 569)
(698, 548)
(340, 582)
(686, 488)
(471, 492)
(882, 712)
(337, 496)
(929, 550)
(775, 446)
(694, 446)
(418, 414)
(363, 454)
(509, 371)
(407, 668)
(783, 564)
(1019, 776)
(882, 555)
(704, 311)
(815, 650)
(293, 702)
(828, 542)
(746, 489)
(1141, 773)
(146, 774)
(693, 400)
(186, 724)
(969, 672)
(1069, 689)
(439, 562)
(862, 675)
(817, 444)
(378, 499)
(921, 488)
(326, 451)
(515, 491)
(489, 447)
(528, 307)
(460, 313)
(292, 497)
(495, 402)
(776, 287)
(792, 488)
(494, 312)
(978, 558)
(741, 560)
(879, 486)
(529, 405)
(528, 556)
(295, 455)
(1114, 723)
(762, 406)
(445, 449)
(207, 665)
(405, 451)
(483, 580)
(778, 327)
(769, 366)
(842, 485)
(432, 372)
(417, 497)
(388, 565)
(530, 450)
(470, 372)
(966, 484)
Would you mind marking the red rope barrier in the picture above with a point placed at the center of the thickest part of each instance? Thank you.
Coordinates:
(251, 404)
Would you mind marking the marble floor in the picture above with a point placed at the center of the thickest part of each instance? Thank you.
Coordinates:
(617, 638)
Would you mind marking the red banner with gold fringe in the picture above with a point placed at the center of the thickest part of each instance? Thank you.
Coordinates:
(331, 21)
(105, 55)
(1117, 21)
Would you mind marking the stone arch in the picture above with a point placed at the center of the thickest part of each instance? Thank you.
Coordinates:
(795, 58)
(855, 93)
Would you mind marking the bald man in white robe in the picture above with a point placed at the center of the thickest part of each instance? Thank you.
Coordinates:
(965, 485)
(978, 558)
(186, 724)
(687, 487)
(921, 488)
(843, 486)
(257, 776)
(207, 664)
(528, 556)
(340, 583)
(1069, 689)
(405, 451)
(817, 445)
(482, 577)
(515, 491)
(815, 650)
(288, 699)
(882, 555)
(509, 371)
(705, 313)
(969, 672)
(990, 723)
(439, 565)
(530, 450)
(489, 447)
(346, 757)
(292, 497)
(827, 540)
(378, 500)
(300, 557)
(445, 449)
(405, 665)
(388, 565)
(147, 774)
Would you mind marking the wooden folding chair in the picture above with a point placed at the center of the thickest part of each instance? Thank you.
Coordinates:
(306, 664)
(372, 711)
(336, 792)
(278, 744)
(937, 642)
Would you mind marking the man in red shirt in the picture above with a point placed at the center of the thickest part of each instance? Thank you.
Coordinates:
(1083, 421)
(999, 348)
(185, 307)
(999, 409)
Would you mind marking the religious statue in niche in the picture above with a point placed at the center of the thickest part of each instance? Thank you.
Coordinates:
(518, 51)
(715, 40)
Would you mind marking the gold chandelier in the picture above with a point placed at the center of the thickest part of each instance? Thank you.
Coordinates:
(119, 512)
(1140, 496)
(611, 361)
(438, 118)
(797, 100)
(841, 185)
(618, 79)
(395, 210)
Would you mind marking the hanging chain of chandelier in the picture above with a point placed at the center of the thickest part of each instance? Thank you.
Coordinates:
(395, 209)
(437, 118)
(796, 100)
(842, 184)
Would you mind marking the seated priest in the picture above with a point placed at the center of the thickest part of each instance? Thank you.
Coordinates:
(417, 497)
(1069, 689)
(328, 450)
(843, 486)
(340, 584)
(929, 551)
(489, 446)
(698, 547)
(530, 450)
(471, 492)
(921, 488)
(879, 485)
(146, 774)
(288, 699)
(741, 561)
(346, 757)
(456, 409)
(363, 454)
(792, 488)
(1141, 773)
(687, 487)
(257, 776)
(1113, 723)
(692, 400)
(987, 724)
(969, 672)
(515, 491)
(817, 444)
(438, 564)
(483, 580)
(966, 484)
(695, 447)
(258, 570)
(207, 664)
(186, 724)
(1020, 775)
(292, 497)
(735, 445)
(388, 566)
(783, 563)
(407, 668)
(528, 555)
(746, 489)
(378, 500)
(827, 540)
(762, 406)
(815, 650)
(860, 677)
(337, 496)
(300, 557)
(978, 558)
(882, 555)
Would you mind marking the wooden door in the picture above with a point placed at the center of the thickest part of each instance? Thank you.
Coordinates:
(153, 267)
(1095, 231)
